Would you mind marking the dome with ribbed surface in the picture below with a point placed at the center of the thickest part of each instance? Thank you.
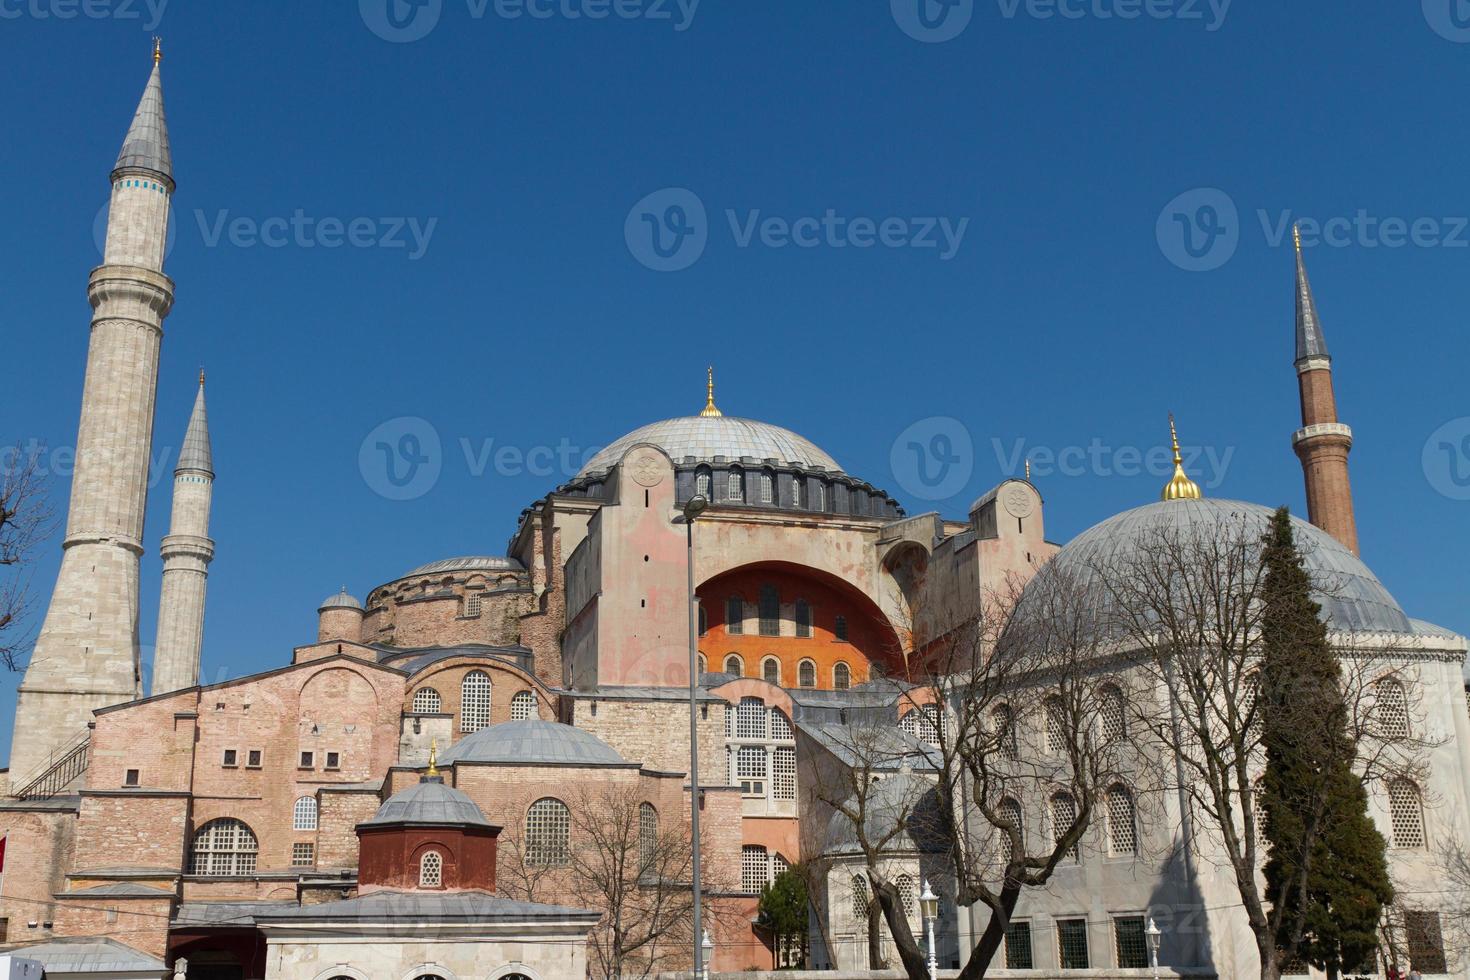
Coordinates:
(545, 742)
(429, 803)
(340, 600)
(705, 437)
(1352, 598)
(468, 563)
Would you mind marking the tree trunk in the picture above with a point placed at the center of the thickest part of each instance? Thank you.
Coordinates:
(875, 938)
(995, 932)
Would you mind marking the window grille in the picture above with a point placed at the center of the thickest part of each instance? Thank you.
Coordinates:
(252, 758)
(1063, 815)
(224, 848)
(474, 701)
(841, 677)
(735, 486)
(771, 670)
(1392, 709)
(647, 835)
(905, 886)
(750, 769)
(1072, 943)
(303, 855)
(1131, 942)
(750, 719)
(1056, 726)
(860, 898)
(426, 701)
(779, 866)
(1405, 815)
(1258, 808)
(1113, 714)
(767, 490)
(797, 496)
(1426, 942)
(783, 773)
(735, 615)
(806, 673)
(431, 870)
(780, 726)
(304, 815)
(733, 665)
(701, 483)
(548, 834)
(1122, 822)
(523, 706)
(1018, 946)
(472, 604)
(1009, 812)
(755, 869)
(819, 496)
(703, 665)
(922, 723)
(803, 619)
(1004, 724)
(839, 628)
(770, 611)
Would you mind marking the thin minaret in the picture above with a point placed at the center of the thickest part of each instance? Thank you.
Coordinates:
(187, 552)
(1322, 443)
(86, 655)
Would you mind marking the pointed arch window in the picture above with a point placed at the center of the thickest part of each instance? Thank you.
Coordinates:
(474, 701)
(1063, 816)
(906, 894)
(1405, 814)
(1391, 708)
(806, 673)
(841, 676)
(819, 495)
(771, 670)
(735, 485)
(798, 496)
(1122, 821)
(702, 482)
(734, 665)
(860, 898)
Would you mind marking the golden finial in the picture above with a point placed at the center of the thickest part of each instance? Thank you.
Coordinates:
(710, 412)
(1180, 486)
(157, 49)
(433, 759)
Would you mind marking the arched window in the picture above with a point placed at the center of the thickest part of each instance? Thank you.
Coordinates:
(768, 488)
(839, 628)
(755, 869)
(735, 486)
(798, 496)
(431, 870)
(770, 611)
(1391, 708)
(819, 495)
(1003, 723)
(841, 676)
(735, 615)
(1112, 713)
(771, 670)
(734, 665)
(1008, 812)
(1056, 725)
(780, 726)
(703, 665)
(806, 673)
(474, 701)
(1063, 816)
(523, 706)
(426, 701)
(1122, 821)
(548, 834)
(1258, 810)
(1405, 814)
(922, 723)
(303, 815)
(860, 898)
(701, 482)
(647, 836)
(803, 618)
(225, 848)
(905, 886)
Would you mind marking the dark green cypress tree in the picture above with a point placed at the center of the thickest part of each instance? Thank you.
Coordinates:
(1326, 870)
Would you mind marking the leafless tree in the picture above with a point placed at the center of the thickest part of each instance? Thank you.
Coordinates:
(26, 519)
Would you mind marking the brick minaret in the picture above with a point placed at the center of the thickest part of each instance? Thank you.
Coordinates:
(86, 656)
(186, 552)
(1322, 443)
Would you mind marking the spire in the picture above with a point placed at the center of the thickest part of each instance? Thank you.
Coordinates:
(710, 411)
(1309, 340)
(195, 453)
(146, 145)
(433, 772)
(1180, 486)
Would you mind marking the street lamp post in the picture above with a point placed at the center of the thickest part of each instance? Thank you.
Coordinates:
(929, 905)
(1154, 938)
(692, 510)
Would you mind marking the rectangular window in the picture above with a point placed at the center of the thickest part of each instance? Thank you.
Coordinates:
(1018, 946)
(783, 773)
(755, 869)
(308, 760)
(1426, 942)
(303, 855)
(1132, 943)
(131, 778)
(4, 930)
(231, 759)
(1072, 944)
(472, 604)
(334, 760)
(750, 768)
(252, 759)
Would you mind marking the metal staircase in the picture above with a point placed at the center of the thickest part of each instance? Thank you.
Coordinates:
(66, 767)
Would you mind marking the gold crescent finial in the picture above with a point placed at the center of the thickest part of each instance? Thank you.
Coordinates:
(157, 49)
(433, 758)
(710, 411)
(1180, 486)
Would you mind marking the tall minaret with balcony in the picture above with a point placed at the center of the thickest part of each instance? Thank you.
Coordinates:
(1322, 443)
(86, 655)
(187, 552)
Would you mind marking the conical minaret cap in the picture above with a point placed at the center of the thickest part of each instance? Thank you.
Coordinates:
(1309, 340)
(195, 453)
(146, 145)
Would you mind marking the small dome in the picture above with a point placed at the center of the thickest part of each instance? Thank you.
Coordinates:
(705, 437)
(340, 601)
(906, 797)
(546, 742)
(468, 563)
(429, 802)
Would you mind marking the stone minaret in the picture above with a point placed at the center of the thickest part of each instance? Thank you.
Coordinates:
(86, 655)
(187, 552)
(1322, 443)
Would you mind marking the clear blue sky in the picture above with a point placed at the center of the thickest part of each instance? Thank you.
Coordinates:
(1059, 319)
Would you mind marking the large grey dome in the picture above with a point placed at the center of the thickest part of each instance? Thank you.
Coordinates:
(545, 742)
(429, 802)
(705, 437)
(1357, 601)
(906, 797)
(468, 563)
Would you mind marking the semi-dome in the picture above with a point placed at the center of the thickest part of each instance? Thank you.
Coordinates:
(1353, 601)
(546, 742)
(340, 600)
(704, 437)
(907, 797)
(429, 803)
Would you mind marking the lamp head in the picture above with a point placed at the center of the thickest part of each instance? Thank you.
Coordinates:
(697, 505)
(929, 902)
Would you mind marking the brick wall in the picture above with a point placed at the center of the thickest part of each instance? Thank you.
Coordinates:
(338, 817)
(131, 829)
(38, 850)
(139, 923)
